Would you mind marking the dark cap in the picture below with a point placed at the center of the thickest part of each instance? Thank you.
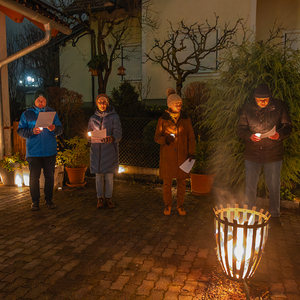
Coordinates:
(262, 91)
(39, 93)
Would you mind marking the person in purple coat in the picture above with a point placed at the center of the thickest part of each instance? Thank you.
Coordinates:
(104, 155)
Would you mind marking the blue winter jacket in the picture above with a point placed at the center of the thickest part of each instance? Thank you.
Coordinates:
(43, 144)
(104, 158)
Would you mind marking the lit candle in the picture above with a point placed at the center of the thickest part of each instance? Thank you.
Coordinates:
(258, 134)
(89, 134)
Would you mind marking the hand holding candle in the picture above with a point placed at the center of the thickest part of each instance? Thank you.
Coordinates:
(255, 137)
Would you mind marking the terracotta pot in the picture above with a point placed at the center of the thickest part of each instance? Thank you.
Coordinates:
(76, 176)
(201, 184)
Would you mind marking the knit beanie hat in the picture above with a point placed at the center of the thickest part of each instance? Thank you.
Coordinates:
(262, 91)
(102, 95)
(39, 93)
(172, 97)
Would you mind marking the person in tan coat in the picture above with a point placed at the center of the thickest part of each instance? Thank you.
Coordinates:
(176, 137)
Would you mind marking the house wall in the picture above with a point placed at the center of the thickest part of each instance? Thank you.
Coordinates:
(190, 11)
(259, 16)
(284, 13)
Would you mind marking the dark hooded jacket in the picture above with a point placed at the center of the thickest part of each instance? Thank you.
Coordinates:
(254, 119)
(104, 158)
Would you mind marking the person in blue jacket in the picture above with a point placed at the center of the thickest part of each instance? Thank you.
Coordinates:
(41, 148)
(104, 155)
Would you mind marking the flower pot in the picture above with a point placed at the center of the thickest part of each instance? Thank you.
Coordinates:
(12, 178)
(76, 176)
(201, 184)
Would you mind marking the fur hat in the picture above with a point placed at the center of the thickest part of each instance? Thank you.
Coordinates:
(39, 93)
(172, 97)
(102, 95)
(262, 91)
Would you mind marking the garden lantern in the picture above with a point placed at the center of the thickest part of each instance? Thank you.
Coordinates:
(121, 70)
(241, 235)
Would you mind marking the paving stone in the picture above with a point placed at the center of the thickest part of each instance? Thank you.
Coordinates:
(119, 284)
(145, 288)
(132, 252)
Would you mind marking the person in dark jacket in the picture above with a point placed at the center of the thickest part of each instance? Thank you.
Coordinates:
(263, 125)
(175, 134)
(104, 155)
(41, 148)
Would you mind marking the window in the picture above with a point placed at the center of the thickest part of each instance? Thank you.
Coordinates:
(131, 55)
(293, 38)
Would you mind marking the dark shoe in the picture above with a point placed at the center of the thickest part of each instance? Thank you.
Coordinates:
(181, 210)
(100, 203)
(167, 210)
(51, 205)
(35, 207)
(109, 203)
(275, 222)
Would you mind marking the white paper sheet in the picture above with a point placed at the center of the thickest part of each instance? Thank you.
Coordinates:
(45, 119)
(98, 135)
(187, 165)
(269, 133)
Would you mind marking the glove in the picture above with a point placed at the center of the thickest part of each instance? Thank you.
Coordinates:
(254, 138)
(108, 139)
(169, 139)
(191, 157)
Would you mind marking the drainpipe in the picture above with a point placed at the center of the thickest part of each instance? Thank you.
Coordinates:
(9, 59)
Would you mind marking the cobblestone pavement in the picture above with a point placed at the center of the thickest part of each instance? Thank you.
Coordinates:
(131, 252)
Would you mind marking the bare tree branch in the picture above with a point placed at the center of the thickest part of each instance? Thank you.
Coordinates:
(183, 51)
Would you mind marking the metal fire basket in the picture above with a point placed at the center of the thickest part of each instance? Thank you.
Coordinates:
(241, 235)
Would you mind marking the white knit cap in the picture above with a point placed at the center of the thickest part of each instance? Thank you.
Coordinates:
(172, 97)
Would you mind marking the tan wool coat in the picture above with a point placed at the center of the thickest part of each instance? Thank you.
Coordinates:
(173, 155)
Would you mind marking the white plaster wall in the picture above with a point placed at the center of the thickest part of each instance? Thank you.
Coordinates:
(74, 73)
(284, 13)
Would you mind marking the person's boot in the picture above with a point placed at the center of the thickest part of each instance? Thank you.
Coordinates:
(109, 203)
(167, 210)
(181, 210)
(35, 207)
(51, 205)
(100, 202)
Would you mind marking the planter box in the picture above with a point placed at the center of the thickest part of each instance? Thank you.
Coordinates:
(12, 178)
(58, 177)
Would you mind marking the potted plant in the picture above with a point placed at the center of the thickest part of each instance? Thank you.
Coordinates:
(11, 170)
(76, 159)
(97, 63)
(201, 179)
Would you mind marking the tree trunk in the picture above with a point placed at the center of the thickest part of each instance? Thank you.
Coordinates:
(178, 88)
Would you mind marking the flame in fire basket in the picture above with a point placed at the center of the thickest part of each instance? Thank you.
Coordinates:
(241, 235)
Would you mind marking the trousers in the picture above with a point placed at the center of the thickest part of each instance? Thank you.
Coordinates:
(272, 173)
(36, 164)
(109, 184)
(167, 191)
